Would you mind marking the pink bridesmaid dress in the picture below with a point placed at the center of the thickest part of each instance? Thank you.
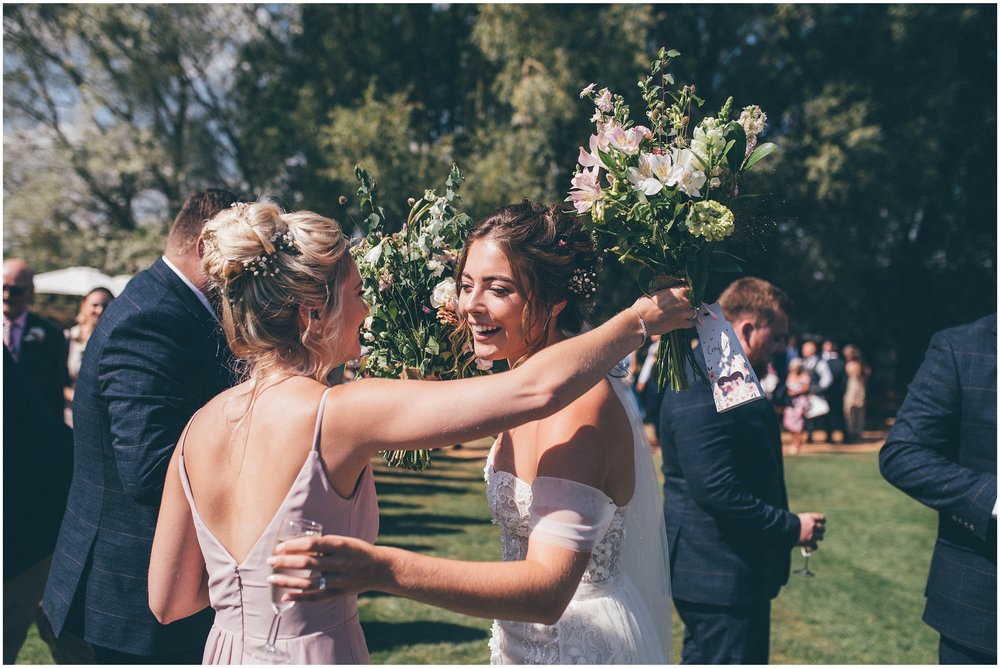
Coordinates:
(326, 632)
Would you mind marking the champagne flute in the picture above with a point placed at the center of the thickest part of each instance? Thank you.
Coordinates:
(804, 571)
(289, 529)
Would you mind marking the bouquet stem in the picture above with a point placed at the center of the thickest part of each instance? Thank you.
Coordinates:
(674, 358)
(414, 460)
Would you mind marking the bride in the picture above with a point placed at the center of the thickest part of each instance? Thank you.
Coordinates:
(584, 576)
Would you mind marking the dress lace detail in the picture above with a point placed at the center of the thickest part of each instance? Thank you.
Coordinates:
(581, 636)
(620, 613)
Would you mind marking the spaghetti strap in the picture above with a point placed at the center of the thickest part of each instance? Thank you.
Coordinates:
(187, 428)
(319, 419)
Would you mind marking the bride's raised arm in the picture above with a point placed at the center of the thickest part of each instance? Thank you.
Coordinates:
(372, 415)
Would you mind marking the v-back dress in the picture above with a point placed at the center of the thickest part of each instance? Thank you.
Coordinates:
(322, 632)
(620, 613)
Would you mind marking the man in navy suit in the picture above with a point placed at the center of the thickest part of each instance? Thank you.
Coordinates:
(155, 357)
(942, 451)
(725, 504)
(37, 452)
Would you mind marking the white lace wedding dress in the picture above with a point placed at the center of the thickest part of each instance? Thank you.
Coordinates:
(620, 613)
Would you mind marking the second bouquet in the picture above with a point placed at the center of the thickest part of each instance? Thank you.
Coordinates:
(409, 286)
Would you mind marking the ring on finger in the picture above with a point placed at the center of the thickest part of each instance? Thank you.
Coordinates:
(321, 585)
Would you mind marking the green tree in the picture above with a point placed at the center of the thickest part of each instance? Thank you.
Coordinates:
(114, 113)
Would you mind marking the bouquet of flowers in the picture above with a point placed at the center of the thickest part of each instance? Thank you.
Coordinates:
(663, 192)
(411, 293)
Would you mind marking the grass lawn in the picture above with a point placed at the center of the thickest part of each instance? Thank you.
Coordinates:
(863, 606)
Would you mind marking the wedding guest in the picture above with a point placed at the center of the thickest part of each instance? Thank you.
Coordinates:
(821, 378)
(725, 502)
(37, 452)
(283, 444)
(857, 372)
(156, 355)
(32, 341)
(91, 308)
(942, 451)
(834, 392)
(797, 385)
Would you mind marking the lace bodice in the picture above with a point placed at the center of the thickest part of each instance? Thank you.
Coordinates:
(620, 612)
(509, 499)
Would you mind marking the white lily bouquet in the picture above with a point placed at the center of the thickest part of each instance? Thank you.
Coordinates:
(412, 295)
(662, 193)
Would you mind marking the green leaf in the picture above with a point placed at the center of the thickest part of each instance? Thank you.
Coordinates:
(673, 53)
(432, 347)
(724, 262)
(737, 152)
(760, 152)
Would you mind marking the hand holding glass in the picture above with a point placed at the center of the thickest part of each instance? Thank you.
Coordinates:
(804, 571)
(289, 528)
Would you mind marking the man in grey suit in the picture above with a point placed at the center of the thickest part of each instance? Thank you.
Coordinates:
(942, 451)
(156, 356)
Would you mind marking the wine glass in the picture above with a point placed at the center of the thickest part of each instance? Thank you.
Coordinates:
(804, 571)
(288, 529)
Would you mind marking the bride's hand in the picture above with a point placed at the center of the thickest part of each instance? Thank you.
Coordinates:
(666, 310)
(338, 565)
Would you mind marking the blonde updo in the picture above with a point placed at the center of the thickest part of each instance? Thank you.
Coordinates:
(263, 264)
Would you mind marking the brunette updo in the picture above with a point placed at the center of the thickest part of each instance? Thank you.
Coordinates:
(262, 264)
(552, 259)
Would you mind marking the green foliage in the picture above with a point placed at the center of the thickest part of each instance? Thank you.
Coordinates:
(882, 197)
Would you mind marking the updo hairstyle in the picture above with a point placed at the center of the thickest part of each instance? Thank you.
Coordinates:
(262, 264)
(552, 259)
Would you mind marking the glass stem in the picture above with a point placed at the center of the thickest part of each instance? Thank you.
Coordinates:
(272, 634)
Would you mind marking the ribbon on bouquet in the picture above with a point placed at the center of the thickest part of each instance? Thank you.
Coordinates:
(733, 380)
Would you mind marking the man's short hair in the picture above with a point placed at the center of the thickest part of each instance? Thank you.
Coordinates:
(198, 209)
(756, 298)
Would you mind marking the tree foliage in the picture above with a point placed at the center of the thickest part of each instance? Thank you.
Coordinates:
(880, 215)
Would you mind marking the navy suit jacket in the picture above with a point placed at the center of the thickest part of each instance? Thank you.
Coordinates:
(942, 451)
(156, 356)
(37, 451)
(725, 503)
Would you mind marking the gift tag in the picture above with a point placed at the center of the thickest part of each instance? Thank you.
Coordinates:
(733, 380)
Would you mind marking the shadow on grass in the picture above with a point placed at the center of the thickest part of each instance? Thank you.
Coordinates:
(384, 504)
(426, 524)
(389, 635)
(400, 475)
(385, 487)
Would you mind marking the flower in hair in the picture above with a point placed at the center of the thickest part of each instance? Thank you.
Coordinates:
(583, 283)
(265, 264)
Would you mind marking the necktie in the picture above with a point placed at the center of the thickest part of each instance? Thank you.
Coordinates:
(10, 338)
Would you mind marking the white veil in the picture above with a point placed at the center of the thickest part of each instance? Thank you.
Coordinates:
(645, 557)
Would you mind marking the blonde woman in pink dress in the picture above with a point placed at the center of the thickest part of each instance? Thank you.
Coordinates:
(283, 444)
(584, 576)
